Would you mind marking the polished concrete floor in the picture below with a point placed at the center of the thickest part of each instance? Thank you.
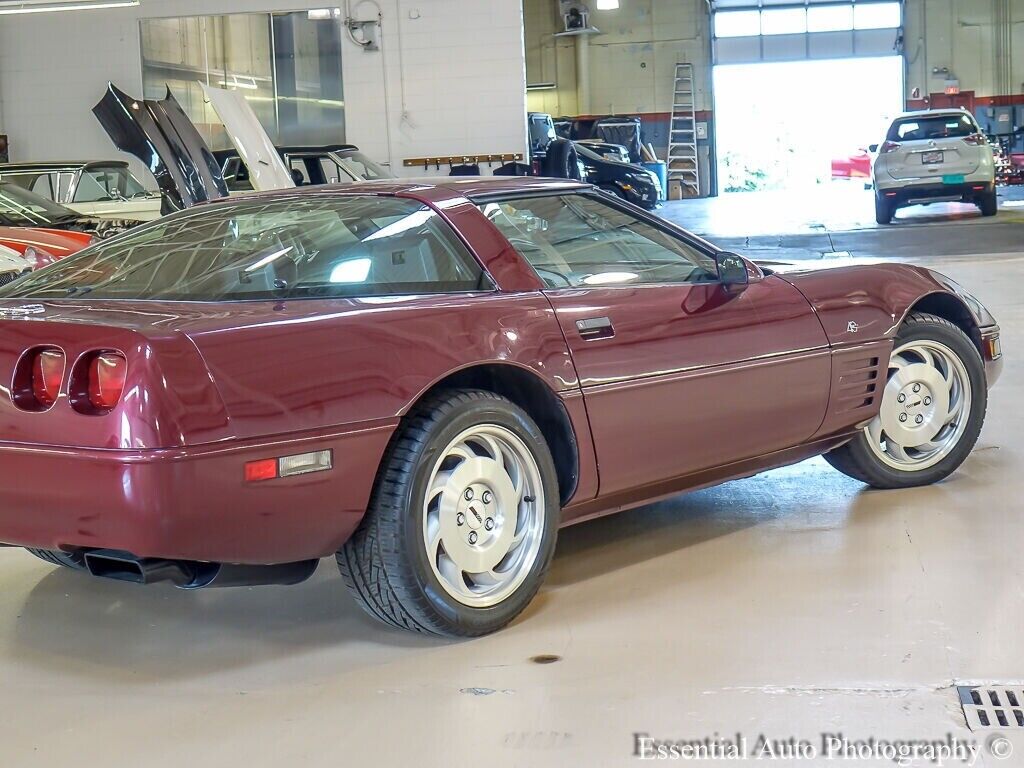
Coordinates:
(788, 605)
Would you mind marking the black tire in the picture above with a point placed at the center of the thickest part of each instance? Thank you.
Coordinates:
(989, 203)
(883, 211)
(561, 160)
(856, 458)
(72, 560)
(385, 564)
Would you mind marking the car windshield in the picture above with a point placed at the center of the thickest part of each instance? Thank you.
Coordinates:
(590, 154)
(297, 246)
(21, 208)
(938, 127)
(362, 166)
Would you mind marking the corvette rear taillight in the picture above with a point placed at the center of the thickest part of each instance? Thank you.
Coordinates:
(106, 380)
(975, 139)
(889, 146)
(47, 375)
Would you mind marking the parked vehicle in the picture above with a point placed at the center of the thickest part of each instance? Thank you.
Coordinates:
(606, 150)
(12, 265)
(308, 166)
(430, 378)
(933, 156)
(21, 208)
(855, 166)
(103, 189)
(42, 247)
(628, 181)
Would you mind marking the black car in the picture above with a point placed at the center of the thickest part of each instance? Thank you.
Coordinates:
(629, 181)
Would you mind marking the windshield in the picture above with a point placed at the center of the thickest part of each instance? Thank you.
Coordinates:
(361, 166)
(299, 246)
(21, 208)
(938, 127)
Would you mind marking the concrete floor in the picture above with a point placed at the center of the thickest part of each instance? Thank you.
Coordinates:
(788, 605)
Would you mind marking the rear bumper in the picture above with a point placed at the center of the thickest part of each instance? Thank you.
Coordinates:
(913, 194)
(189, 504)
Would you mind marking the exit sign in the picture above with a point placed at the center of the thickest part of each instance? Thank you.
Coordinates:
(952, 87)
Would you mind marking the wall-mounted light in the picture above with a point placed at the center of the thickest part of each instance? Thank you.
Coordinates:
(607, 5)
(49, 6)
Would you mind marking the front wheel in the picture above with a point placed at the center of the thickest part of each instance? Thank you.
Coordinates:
(463, 519)
(933, 406)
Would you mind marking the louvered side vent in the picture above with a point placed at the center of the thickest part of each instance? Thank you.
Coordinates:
(857, 383)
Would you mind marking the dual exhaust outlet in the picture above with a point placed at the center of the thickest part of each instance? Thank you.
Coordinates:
(190, 574)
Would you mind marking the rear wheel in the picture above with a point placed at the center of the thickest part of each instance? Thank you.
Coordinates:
(883, 210)
(989, 203)
(462, 523)
(73, 560)
(932, 410)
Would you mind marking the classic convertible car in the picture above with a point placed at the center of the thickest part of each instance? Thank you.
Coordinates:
(427, 380)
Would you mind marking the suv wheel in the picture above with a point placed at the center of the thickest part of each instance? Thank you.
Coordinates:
(883, 210)
(989, 203)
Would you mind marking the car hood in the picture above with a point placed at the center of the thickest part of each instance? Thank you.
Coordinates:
(161, 135)
(266, 168)
(56, 242)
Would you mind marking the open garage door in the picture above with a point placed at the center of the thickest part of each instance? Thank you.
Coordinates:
(800, 89)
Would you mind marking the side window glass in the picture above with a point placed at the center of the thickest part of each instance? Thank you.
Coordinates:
(578, 241)
(299, 172)
(331, 172)
(43, 186)
(96, 186)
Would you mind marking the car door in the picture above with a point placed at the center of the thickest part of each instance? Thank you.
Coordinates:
(679, 373)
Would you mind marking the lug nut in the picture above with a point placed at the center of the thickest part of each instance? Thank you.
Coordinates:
(468, 495)
(486, 497)
(903, 417)
(460, 519)
(919, 419)
(489, 523)
(927, 401)
(901, 399)
(917, 387)
(472, 537)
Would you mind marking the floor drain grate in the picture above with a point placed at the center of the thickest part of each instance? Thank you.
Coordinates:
(992, 706)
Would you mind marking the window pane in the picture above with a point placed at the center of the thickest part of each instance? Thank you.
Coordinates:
(876, 15)
(829, 18)
(784, 21)
(95, 186)
(278, 249)
(940, 127)
(737, 23)
(576, 240)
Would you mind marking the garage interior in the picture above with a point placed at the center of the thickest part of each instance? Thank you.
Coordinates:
(788, 606)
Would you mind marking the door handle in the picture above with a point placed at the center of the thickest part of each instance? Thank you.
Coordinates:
(594, 328)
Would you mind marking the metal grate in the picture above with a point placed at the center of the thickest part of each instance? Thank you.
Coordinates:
(7, 277)
(992, 706)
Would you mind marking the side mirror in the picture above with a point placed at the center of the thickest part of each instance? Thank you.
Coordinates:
(872, 147)
(732, 272)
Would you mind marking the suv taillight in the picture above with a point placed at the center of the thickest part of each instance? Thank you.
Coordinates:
(106, 380)
(47, 375)
(889, 146)
(975, 139)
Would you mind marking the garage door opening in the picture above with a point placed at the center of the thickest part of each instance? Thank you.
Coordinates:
(779, 125)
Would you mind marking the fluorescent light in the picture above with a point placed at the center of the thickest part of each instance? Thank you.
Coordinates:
(30, 6)
(607, 5)
(320, 14)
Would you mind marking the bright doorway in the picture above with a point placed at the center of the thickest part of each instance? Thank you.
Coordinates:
(779, 125)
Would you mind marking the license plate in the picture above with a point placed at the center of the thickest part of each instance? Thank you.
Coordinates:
(931, 158)
(957, 179)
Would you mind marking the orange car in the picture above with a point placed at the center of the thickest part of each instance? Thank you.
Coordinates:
(44, 246)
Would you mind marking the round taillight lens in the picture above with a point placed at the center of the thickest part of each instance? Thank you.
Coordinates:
(106, 380)
(47, 375)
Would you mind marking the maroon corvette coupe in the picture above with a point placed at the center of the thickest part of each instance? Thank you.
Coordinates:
(428, 380)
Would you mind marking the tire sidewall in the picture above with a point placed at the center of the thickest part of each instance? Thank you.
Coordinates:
(472, 620)
(964, 348)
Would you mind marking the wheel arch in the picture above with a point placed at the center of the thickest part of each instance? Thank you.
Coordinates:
(949, 307)
(531, 393)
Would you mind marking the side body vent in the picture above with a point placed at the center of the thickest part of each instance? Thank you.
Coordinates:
(858, 378)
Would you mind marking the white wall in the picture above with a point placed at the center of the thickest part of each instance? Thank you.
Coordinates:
(455, 77)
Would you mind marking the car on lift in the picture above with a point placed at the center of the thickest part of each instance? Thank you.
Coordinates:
(628, 181)
(427, 379)
(104, 189)
(932, 156)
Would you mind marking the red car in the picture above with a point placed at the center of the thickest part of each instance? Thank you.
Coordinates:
(855, 166)
(428, 379)
(44, 246)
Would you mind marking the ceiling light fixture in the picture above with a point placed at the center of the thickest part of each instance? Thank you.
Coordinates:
(49, 6)
(607, 5)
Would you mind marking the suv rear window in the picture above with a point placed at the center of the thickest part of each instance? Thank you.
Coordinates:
(938, 127)
(293, 247)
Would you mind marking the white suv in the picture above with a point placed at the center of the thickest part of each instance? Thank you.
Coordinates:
(933, 156)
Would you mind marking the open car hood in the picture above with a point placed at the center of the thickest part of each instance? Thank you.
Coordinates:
(266, 168)
(161, 135)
